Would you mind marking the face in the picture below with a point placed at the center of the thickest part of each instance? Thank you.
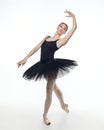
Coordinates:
(62, 28)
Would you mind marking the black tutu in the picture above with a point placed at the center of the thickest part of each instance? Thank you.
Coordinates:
(48, 66)
(51, 69)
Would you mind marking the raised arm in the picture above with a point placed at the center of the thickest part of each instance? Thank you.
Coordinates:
(65, 39)
(35, 49)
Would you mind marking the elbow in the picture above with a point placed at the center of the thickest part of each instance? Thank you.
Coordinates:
(75, 27)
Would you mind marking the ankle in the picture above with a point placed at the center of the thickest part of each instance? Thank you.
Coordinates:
(44, 115)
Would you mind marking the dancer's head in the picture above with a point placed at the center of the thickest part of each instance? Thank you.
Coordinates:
(62, 28)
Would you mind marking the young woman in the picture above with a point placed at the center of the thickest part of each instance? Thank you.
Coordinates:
(49, 67)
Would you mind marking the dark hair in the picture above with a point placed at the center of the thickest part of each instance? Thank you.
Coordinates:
(64, 24)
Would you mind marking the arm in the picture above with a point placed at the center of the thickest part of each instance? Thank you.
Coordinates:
(64, 40)
(35, 49)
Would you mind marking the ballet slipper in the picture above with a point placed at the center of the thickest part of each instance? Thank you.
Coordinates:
(65, 108)
(46, 121)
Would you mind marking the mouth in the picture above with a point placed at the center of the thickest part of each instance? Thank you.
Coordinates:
(60, 31)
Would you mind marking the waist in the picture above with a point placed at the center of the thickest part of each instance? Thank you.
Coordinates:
(46, 60)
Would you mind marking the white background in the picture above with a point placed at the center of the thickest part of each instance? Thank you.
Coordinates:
(23, 24)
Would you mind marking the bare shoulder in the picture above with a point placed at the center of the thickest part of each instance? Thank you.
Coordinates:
(40, 43)
(44, 39)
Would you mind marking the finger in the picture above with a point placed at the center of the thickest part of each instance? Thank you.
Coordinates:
(68, 15)
(66, 11)
(18, 65)
(23, 64)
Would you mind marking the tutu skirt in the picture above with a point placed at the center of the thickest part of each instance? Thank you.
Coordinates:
(49, 69)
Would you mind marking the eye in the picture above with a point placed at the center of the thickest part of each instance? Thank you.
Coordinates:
(64, 29)
(61, 26)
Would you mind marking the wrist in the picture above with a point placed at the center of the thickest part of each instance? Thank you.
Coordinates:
(73, 16)
(26, 58)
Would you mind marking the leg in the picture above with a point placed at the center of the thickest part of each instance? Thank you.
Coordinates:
(60, 97)
(49, 89)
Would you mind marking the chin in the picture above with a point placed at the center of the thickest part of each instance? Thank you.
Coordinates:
(59, 33)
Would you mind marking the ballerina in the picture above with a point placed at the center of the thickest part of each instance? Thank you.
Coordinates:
(49, 67)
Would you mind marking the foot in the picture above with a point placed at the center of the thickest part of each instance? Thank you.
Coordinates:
(65, 108)
(46, 121)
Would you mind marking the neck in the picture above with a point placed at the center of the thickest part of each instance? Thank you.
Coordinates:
(56, 36)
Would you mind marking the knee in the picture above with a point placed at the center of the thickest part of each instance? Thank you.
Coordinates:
(49, 92)
(49, 96)
(56, 88)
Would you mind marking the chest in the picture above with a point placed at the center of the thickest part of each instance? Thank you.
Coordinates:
(49, 46)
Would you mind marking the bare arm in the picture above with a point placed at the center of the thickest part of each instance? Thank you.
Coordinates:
(35, 49)
(64, 40)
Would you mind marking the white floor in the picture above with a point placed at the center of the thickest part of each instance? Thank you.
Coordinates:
(28, 118)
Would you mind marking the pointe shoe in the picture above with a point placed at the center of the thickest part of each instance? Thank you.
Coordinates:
(65, 108)
(66, 105)
(46, 121)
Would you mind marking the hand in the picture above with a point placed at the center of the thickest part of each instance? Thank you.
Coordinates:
(70, 14)
(22, 62)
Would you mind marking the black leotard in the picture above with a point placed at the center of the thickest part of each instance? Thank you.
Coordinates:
(48, 66)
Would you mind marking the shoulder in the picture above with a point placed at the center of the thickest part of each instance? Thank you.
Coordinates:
(42, 41)
(47, 36)
(44, 38)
